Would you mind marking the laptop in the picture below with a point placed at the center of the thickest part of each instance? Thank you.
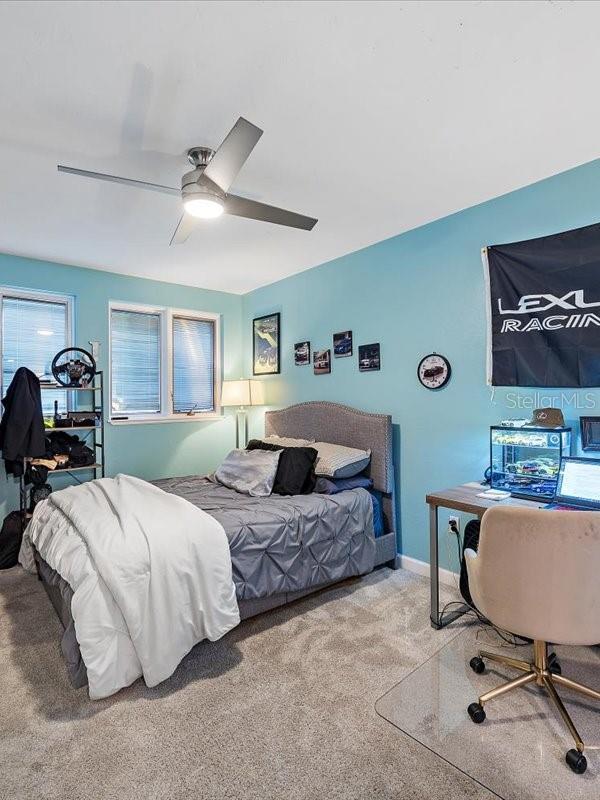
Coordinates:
(578, 485)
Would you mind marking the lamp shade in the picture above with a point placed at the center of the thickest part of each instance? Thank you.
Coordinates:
(257, 393)
(235, 393)
(242, 393)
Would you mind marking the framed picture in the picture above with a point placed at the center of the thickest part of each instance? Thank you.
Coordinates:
(342, 344)
(301, 354)
(265, 345)
(369, 357)
(322, 362)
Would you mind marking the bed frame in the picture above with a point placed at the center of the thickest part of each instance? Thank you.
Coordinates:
(321, 421)
(339, 424)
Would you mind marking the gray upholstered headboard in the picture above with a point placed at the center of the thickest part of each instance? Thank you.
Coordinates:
(332, 422)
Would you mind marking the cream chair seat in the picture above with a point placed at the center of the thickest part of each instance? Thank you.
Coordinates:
(537, 574)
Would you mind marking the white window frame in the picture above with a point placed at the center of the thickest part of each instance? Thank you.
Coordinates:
(166, 413)
(43, 297)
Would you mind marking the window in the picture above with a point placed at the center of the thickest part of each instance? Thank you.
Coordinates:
(193, 364)
(34, 327)
(135, 351)
(164, 363)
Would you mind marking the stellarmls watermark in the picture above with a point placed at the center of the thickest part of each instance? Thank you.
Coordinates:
(574, 400)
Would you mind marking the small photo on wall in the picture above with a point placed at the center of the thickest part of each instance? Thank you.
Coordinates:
(322, 362)
(342, 344)
(301, 354)
(369, 357)
(265, 345)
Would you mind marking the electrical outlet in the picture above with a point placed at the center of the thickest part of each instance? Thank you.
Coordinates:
(454, 525)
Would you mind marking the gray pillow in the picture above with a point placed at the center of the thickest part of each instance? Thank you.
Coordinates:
(338, 461)
(286, 441)
(249, 471)
(350, 470)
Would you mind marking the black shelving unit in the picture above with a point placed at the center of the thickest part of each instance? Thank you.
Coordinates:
(92, 435)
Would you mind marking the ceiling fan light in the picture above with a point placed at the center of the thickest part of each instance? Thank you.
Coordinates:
(203, 206)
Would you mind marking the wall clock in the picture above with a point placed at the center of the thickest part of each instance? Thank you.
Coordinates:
(434, 371)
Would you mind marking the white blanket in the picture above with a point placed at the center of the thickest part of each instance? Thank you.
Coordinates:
(150, 573)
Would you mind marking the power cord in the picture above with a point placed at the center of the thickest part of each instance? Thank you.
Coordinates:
(509, 638)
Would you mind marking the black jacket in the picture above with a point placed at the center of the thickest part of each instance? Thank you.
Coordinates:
(22, 423)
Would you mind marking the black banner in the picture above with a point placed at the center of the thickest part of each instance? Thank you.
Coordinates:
(544, 310)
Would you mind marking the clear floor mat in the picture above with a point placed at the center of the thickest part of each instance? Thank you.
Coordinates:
(518, 752)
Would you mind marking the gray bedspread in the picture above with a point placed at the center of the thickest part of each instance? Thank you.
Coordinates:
(285, 544)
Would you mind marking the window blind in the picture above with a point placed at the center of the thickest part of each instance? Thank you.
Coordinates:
(135, 362)
(33, 331)
(193, 365)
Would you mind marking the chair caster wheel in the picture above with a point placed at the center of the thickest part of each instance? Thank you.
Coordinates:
(477, 665)
(576, 761)
(477, 714)
(554, 664)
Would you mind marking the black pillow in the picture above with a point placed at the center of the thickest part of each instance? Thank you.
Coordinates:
(296, 470)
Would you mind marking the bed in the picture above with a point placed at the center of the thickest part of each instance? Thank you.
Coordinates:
(283, 548)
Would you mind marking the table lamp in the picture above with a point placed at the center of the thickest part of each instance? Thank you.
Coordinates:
(242, 393)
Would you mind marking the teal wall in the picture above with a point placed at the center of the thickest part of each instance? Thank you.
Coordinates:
(419, 292)
(154, 450)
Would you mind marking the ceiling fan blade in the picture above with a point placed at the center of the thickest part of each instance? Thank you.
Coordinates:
(242, 207)
(101, 176)
(232, 154)
(185, 226)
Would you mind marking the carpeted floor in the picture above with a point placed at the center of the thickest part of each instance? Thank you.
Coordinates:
(282, 707)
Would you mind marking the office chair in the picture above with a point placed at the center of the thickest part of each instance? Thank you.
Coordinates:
(537, 574)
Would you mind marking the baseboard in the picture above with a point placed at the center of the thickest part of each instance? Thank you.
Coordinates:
(447, 577)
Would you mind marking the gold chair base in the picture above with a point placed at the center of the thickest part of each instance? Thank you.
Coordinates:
(539, 672)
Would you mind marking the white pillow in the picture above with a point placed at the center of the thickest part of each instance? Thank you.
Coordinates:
(337, 461)
(285, 441)
(249, 471)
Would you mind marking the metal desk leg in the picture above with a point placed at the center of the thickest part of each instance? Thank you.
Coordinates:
(434, 614)
(434, 578)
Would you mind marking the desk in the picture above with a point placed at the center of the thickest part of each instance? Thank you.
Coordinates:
(460, 498)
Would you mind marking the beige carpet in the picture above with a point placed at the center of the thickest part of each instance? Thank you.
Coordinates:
(283, 707)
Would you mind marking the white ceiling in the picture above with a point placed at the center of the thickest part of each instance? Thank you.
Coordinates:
(378, 117)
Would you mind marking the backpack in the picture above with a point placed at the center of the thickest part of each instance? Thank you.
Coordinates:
(10, 540)
(471, 541)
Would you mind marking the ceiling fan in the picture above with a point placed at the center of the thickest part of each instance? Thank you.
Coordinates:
(205, 189)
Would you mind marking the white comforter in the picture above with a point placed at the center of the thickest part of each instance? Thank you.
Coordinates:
(150, 573)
